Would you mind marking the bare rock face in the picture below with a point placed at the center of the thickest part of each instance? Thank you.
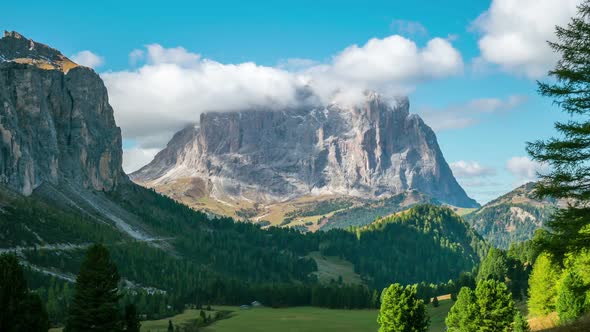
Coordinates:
(372, 151)
(56, 123)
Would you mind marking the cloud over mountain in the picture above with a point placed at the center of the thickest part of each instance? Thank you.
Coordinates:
(173, 86)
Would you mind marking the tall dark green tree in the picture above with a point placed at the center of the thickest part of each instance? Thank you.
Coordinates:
(95, 303)
(569, 153)
(489, 308)
(464, 314)
(20, 310)
(571, 299)
(494, 266)
(132, 323)
(495, 304)
(402, 310)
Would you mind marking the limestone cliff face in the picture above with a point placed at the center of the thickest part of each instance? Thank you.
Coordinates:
(374, 150)
(56, 123)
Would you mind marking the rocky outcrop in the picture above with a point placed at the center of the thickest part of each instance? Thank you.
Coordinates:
(374, 150)
(56, 123)
(513, 217)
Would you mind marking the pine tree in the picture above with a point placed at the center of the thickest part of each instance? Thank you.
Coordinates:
(132, 323)
(464, 315)
(95, 303)
(33, 316)
(571, 299)
(489, 308)
(568, 155)
(402, 311)
(495, 305)
(13, 290)
(494, 266)
(20, 310)
(543, 286)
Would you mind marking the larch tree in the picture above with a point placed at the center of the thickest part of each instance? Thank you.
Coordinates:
(543, 286)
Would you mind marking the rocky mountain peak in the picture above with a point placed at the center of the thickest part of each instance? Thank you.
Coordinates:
(56, 124)
(372, 150)
(15, 47)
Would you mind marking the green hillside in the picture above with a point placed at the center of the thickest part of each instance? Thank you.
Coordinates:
(367, 212)
(513, 217)
(169, 255)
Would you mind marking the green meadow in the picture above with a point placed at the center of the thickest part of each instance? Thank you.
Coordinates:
(298, 319)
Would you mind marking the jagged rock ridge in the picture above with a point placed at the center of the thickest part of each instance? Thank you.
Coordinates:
(373, 150)
(56, 123)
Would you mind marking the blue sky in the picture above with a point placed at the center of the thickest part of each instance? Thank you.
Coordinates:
(483, 112)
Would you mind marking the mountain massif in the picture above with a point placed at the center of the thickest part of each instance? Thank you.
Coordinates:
(371, 151)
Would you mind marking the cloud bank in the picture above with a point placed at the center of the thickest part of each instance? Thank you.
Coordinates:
(524, 169)
(471, 169)
(515, 33)
(172, 86)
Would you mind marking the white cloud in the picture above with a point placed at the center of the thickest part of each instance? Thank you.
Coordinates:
(158, 55)
(392, 66)
(471, 169)
(525, 169)
(174, 86)
(515, 33)
(467, 114)
(157, 100)
(88, 59)
(408, 28)
(135, 158)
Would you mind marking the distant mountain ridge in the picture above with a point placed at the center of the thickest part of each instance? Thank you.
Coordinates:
(512, 217)
(371, 151)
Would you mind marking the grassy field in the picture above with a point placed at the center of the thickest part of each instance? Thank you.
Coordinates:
(309, 319)
(334, 267)
(300, 319)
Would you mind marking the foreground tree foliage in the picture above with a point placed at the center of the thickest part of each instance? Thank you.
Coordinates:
(402, 311)
(132, 323)
(568, 154)
(543, 286)
(464, 314)
(572, 298)
(95, 303)
(520, 323)
(567, 243)
(489, 308)
(20, 309)
(494, 266)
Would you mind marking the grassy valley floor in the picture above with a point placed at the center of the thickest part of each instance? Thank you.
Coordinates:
(300, 319)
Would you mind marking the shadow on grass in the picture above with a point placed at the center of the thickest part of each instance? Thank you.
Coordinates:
(583, 324)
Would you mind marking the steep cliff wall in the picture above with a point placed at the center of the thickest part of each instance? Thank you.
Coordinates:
(56, 123)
